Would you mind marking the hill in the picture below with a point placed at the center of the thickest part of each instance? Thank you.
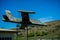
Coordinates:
(51, 31)
(55, 22)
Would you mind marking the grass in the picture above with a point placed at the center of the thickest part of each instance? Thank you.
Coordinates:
(29, 38)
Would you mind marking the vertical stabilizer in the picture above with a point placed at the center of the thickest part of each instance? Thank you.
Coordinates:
(8, 14)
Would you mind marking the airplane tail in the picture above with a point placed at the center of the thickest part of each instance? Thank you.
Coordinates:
(8, 14)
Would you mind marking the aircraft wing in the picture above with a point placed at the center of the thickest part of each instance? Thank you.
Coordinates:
(33, 23)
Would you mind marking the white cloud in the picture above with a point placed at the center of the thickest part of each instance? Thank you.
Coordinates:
(46, 19)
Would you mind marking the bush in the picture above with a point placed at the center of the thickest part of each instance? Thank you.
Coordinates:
(30, 34)
(38, 33)
(41, 33)
(21, 35)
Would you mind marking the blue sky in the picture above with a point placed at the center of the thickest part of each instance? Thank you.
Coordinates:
(46, 10)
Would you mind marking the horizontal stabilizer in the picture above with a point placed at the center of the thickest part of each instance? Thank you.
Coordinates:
(5, 18)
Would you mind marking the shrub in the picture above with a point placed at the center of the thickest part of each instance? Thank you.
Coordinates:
(38, 33)
(41, 33)
(21, 35)
(30, 34)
